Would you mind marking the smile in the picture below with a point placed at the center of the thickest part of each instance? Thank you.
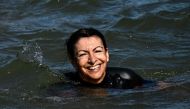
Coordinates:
(94, 68)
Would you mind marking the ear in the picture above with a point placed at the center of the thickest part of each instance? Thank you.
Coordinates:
(107, 54)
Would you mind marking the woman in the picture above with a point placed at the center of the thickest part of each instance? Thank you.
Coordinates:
(88, 53)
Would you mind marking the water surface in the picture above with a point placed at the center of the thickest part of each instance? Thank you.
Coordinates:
(148, 36)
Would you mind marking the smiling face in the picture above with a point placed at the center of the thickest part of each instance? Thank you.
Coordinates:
(91, 59)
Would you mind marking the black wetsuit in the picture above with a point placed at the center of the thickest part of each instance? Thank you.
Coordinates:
(115, 78)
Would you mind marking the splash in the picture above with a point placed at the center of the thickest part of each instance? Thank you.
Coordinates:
(31, 52)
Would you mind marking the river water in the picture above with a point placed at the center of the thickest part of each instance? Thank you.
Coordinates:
(148, 36)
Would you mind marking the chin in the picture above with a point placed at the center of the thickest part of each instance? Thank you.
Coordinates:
(97, 75)
(99, 78)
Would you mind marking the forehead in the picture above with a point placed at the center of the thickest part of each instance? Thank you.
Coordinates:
(89, 42)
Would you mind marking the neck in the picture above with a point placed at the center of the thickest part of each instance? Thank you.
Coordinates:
(92, 81)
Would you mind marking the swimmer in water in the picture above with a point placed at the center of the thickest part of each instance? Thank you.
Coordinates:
(87, 51)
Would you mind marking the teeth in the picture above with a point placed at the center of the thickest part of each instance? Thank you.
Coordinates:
(95, 67)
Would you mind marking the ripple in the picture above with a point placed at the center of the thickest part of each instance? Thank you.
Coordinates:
(150, 36)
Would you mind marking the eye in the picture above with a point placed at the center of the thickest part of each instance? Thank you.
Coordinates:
(82, 54)
(98, 51)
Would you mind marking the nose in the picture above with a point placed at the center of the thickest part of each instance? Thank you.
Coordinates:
(92, 58)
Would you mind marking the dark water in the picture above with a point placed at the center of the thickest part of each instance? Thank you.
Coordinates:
(149, 36)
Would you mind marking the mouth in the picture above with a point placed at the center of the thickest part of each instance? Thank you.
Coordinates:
(94, 68)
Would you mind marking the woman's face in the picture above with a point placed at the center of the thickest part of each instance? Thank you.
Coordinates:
(91, 59)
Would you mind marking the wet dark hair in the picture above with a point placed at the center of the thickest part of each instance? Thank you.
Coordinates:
(83, 32)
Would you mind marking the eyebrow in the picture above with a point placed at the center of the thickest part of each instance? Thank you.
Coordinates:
(93, 49)
(98, 47)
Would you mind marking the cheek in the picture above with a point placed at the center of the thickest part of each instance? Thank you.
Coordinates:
(103, 57)
(82, 62)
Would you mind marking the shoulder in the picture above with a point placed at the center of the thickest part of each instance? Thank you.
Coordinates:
(124, 77)
(125, 73)
(72, 77)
